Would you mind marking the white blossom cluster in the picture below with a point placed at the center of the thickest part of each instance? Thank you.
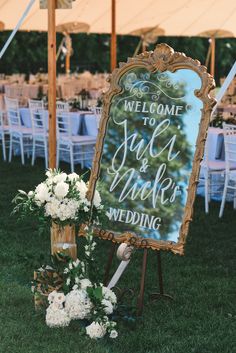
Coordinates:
(98, 329)
(56, 315)
(63, 196)
(78, 305)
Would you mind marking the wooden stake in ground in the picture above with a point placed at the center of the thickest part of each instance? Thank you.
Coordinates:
(113, 35)
(52, 81)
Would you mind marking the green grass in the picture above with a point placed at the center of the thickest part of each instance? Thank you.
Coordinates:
(201, 319)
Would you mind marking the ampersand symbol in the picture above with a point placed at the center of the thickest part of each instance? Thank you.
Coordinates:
(144, 165)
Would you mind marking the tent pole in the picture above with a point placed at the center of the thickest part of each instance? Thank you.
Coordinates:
(67, 63)
(68, 53)
(208, 56)
(113, 35)
(213, 47)
(52, 81)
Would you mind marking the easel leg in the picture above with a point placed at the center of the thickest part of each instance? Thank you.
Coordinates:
(160, 273)
(109, 263)
(161, 294)
(142, 284)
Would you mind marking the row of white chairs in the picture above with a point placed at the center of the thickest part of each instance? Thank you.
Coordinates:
(226, 168)
(79, 148)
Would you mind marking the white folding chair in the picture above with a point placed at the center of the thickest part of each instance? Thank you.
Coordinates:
(19, 134)
(75, 145)
(98, 113)
(230, 159)
(209, 168)
(39, 129)
(62, 107)
(4, 130)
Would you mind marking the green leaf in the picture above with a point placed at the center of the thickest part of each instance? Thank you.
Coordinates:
(98, 293)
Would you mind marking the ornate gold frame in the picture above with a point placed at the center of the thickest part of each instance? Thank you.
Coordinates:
(162, 58)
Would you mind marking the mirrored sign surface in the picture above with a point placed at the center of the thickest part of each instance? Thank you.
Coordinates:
(148, 152)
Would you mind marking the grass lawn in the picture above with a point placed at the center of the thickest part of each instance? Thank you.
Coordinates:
(201, 319)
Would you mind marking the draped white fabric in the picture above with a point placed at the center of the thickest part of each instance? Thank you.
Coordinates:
(179, 17)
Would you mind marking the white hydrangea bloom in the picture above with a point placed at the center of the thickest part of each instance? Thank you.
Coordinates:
(66, 209)
(108, 294)
(56, 317)
(61, 190)
(51, 208)
(95, 330)
(59, 299)
(51, 296)
(78, 304)
(108, 307)
(42, 193)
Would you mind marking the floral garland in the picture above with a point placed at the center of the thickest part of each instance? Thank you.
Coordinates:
(83, 299)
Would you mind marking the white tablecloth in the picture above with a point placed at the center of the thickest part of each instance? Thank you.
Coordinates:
(91, 126)
(215, 144)
(76, 120)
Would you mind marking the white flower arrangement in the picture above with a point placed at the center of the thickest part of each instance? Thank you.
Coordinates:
(61, 198)
(85, 300)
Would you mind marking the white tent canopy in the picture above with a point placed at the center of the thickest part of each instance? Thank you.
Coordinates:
(175, 18)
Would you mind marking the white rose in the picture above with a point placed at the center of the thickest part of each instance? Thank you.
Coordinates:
(59, 178)
(30, 193)
(73, 176)
(113, 334)
(61, 190)
(97, 199)
(42, 193)
(95, 330)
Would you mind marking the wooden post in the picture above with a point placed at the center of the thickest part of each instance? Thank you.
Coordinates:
(213, 47)
(68, 42)
(52, 81)
(113, 35)
(67, 63)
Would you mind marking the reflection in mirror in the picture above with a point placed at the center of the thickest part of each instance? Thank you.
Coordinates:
(148, 152)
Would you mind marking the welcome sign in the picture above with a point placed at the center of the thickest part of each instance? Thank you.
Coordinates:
(155, 113)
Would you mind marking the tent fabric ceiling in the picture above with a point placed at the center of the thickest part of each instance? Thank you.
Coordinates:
(175, 18)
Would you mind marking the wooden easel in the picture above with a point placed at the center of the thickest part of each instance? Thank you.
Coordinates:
(154, 296)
